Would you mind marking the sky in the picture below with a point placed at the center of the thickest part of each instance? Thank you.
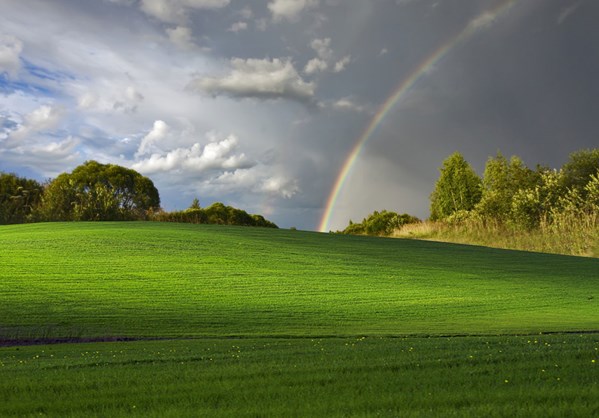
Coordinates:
(309, 112)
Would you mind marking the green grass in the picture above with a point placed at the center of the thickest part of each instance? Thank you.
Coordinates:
(152, 279)
(549, 376)
(290, 323)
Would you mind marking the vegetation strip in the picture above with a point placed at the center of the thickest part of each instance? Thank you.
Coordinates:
(511, 206)
(7, 342)
(4, 342)
(104, 192)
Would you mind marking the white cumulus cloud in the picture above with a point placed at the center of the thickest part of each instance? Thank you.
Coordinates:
(322, 48)
(176, 11)
(348, 104)
(341, 64)
(325, 58)
(290, 9)
(258, 78)
(483, 20)
(109, 97)
(181, 36)
(218, 155)
(280, 185)
(315, 65)
(238, 27)
(158, 133)
(44, 118)
(255, 179)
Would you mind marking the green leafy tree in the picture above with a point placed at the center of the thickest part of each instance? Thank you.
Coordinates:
(578, 170)
(458, 188)
(18, 198)
(502, 179)
(530, 206)
(579, 202)
(217, 213)
(195, 204)
(592, 189)
(95, 191)
(259, 220)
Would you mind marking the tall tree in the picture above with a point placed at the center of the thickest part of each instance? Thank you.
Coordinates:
(458, 188)
(501, 181)
(577, 172)
(95, 191)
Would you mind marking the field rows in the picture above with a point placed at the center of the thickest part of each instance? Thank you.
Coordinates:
(476, 376)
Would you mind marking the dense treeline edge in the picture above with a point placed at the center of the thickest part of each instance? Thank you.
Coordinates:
(104, 192)
(510, 206)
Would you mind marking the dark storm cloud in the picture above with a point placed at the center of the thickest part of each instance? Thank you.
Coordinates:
(525, 86)
(208, 70)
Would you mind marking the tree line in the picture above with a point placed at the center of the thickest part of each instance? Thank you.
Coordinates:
(103, 192)
(508, 194)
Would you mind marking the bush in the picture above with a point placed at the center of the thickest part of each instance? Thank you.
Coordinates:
(382, 223)
(217, 213)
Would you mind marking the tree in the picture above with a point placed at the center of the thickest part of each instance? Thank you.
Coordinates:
(18, 198)
(458, 188)
(592, 189)
(502, 179)
(531, 205)
(577, 172)
(195, 204)
(95, 191)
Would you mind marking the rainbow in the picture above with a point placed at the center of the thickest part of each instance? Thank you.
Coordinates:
(480, 22)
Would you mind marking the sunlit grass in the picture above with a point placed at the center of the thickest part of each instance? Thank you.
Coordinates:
(566, 235)
(290, 323)
(147, 279)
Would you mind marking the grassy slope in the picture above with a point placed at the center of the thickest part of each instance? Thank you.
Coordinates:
(569, 235)
(147, 279)
(141, 279)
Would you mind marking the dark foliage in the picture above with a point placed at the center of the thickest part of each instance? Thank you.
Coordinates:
(18, 197)
(217, 213)
(380, 223)
(98, 192)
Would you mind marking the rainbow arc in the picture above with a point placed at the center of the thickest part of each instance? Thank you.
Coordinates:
(476, 25)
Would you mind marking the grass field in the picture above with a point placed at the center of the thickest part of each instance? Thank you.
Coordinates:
(542, 376)
(290, 323)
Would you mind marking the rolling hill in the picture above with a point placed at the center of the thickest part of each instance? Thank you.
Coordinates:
(172, 280)
(234, 321)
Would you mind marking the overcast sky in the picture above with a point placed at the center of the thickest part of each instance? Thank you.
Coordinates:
(258, 103)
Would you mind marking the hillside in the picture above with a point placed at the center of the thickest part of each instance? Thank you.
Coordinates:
(157, 280)
(288, 323)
